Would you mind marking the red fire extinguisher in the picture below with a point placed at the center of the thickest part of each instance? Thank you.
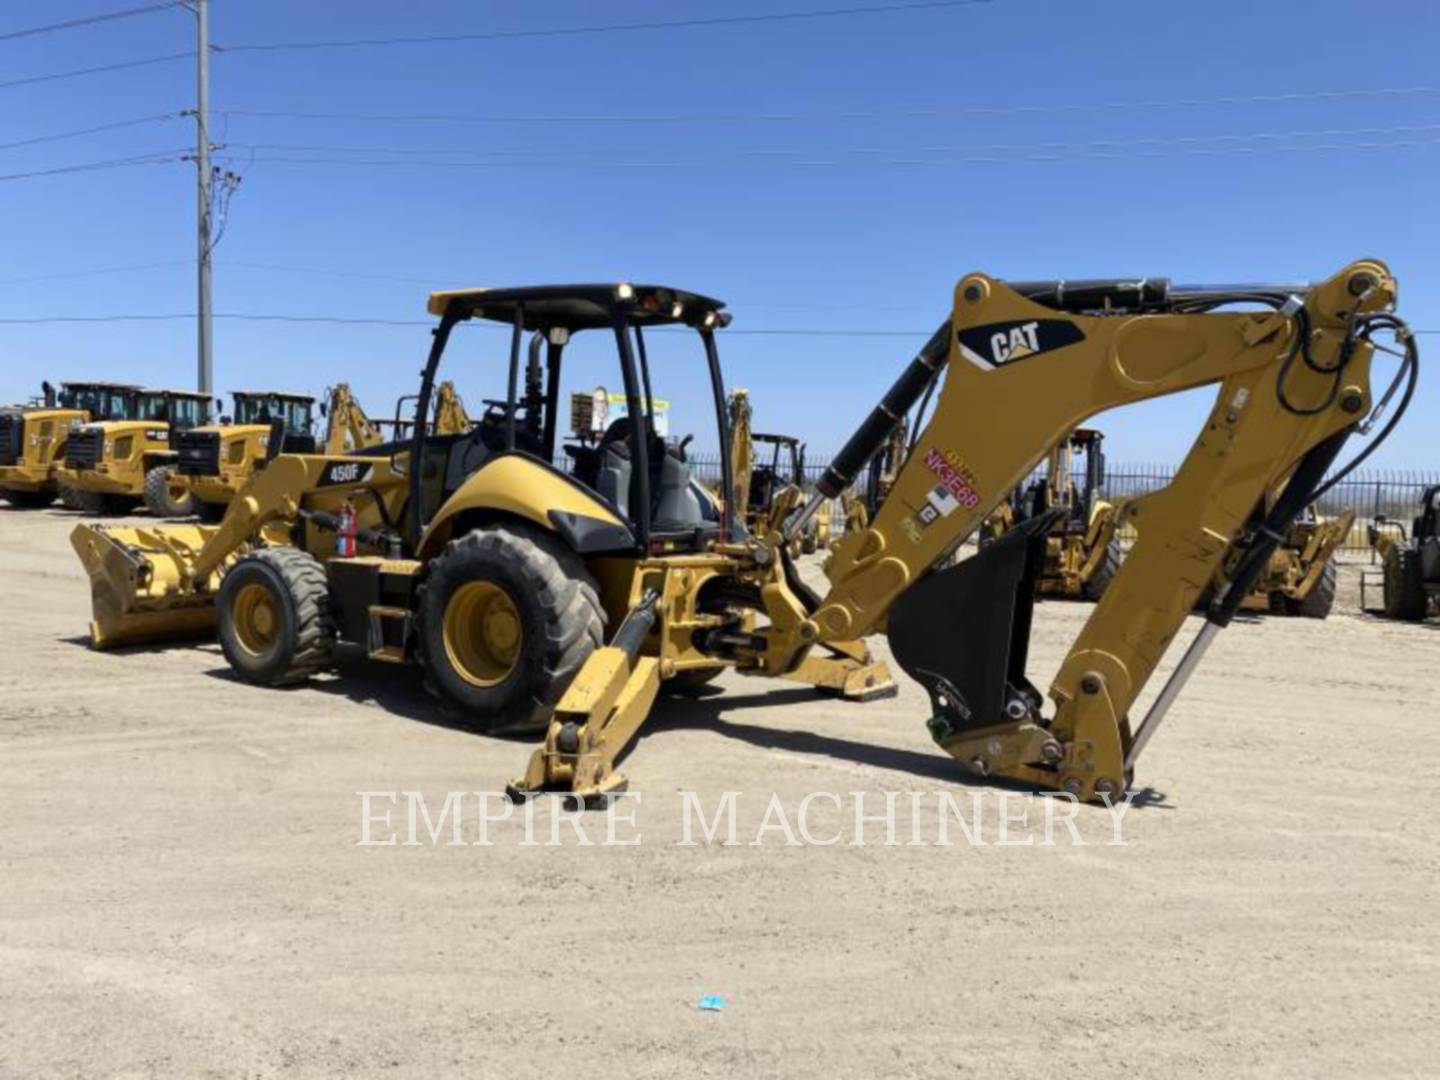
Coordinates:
(345, 534)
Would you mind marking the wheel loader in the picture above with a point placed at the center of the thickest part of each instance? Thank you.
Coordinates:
(1082, 552)
(112, 466)
(34, 439)
(1410, 562)
(531, 595)
(759, 479)
(216, 460)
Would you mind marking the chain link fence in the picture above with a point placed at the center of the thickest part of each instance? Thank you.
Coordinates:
(1391, 493)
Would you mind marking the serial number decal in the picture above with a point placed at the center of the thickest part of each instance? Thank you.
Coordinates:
(957, 483)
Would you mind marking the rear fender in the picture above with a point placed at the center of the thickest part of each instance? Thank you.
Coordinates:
(523, 487)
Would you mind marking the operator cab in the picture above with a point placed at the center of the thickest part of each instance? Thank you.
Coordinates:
(294, 413)
(613, 448)
(180, 409)
(102, 400)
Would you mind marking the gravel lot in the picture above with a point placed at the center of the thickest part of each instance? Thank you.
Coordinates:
(183, 893)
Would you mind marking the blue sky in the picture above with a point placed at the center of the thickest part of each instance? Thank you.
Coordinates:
(832, 174)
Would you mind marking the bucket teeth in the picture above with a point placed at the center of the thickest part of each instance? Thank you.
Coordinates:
(140, 587)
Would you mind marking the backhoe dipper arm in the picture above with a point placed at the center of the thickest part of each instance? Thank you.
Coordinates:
(348, 428)
(1024, 366)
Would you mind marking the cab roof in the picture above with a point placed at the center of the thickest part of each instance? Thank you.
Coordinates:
(97, 385)
(784, 440)
(271, 393)
(178, 393)
(582, 307)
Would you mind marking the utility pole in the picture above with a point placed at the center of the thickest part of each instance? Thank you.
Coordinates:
(205, 374)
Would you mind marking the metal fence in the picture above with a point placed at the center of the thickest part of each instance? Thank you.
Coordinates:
(1391, 493)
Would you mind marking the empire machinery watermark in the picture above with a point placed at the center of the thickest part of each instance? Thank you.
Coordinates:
(982, 818)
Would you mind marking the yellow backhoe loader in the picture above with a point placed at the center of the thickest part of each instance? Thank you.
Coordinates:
(530, 595)
(112, 466)
(1301, 577)
(760, 477)
(861, 503)
(1082, 552)
(34, 438)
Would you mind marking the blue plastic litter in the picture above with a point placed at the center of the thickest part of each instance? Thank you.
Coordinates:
(712, 1002)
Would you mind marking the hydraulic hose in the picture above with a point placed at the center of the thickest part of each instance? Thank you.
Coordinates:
(898, 400)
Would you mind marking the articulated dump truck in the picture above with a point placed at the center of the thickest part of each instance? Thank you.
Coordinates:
(559, 593)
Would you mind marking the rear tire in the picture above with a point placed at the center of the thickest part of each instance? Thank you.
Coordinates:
(508, 615)
(164, 496)
(274, 619)
(1404, 584)
(1319, 601)
(28, 500)
(1105, 573)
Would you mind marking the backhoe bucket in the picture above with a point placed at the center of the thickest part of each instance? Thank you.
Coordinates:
(140, 583)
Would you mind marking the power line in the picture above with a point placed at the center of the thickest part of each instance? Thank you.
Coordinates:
(117, 125)
(1039, 156)
(569, 154)
(609, 28)
(91, 166)
(920, 113)
(247, 316)
(363, 321)
(96, 272)
(122, 66)
(88, 21)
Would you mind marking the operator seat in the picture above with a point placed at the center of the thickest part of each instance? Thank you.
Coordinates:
(674, 504)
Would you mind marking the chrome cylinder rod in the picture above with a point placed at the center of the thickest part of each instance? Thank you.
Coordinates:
(1176, 683)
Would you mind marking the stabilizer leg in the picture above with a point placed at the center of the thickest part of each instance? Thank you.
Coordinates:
(598, 716)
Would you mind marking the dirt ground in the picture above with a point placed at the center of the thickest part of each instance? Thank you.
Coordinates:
(183, 893)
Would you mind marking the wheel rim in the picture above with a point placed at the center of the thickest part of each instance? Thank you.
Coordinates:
(482, 633)
(256, 618)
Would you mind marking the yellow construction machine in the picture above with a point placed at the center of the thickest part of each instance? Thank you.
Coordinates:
(761, 478)
(216, 461)
(531, 595)
(861, 503)
(1082, 552)
(34, 438)
(1410, 562)
(1301, 577)
(112, 466)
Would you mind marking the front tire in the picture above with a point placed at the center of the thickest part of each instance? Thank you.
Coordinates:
(508, 615)
(166, 496)
(274, 619)
(1105, 573)
(1318, 602)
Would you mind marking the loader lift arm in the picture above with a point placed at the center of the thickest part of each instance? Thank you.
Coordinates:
(1024, 364)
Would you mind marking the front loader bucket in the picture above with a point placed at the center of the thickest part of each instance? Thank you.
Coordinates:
(140, 583)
